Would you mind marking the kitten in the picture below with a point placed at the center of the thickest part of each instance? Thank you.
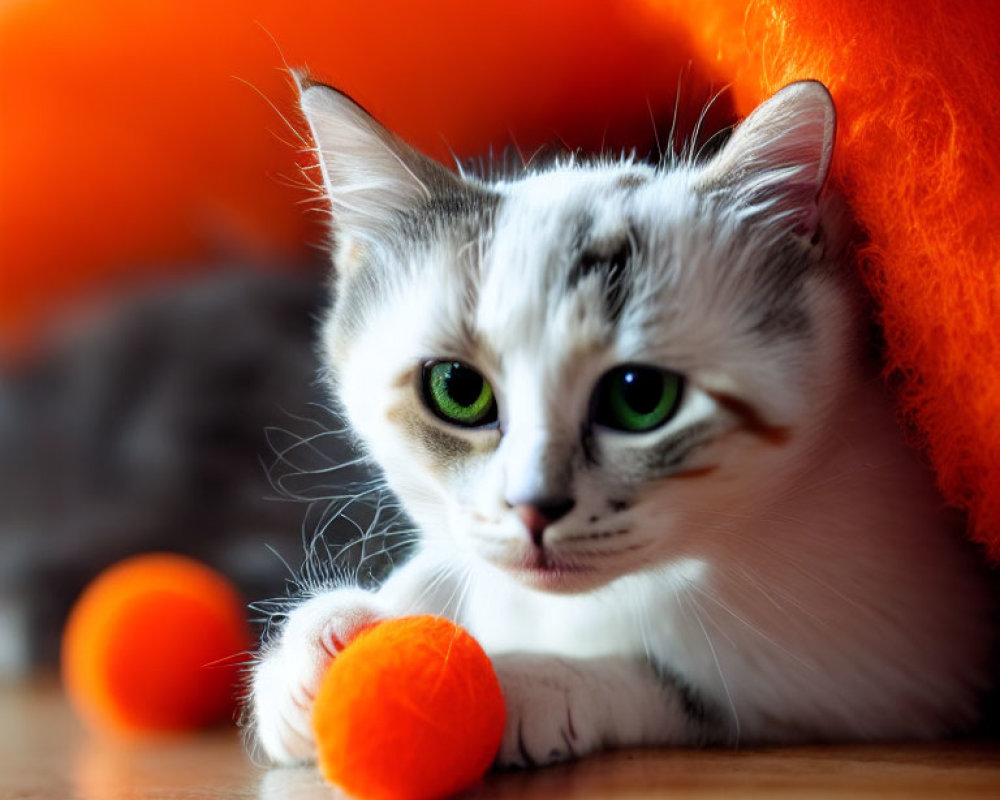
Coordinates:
(628, 409)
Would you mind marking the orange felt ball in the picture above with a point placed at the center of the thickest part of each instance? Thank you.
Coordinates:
(411, 710)
(153, 645)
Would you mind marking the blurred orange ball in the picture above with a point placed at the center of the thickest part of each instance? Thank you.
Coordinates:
(155, 644)
(410, 710)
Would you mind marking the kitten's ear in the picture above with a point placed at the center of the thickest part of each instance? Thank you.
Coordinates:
(369, 172)
(777, 160)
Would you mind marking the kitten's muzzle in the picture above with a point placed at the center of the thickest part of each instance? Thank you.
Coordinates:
(539, 515)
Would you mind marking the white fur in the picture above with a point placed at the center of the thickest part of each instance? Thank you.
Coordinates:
(808, 588)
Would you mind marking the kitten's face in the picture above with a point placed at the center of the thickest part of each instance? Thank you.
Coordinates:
(584, 372)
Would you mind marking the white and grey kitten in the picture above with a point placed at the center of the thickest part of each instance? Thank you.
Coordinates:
(629, 410)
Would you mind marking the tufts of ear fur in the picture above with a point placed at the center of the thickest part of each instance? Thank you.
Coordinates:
(368, 171)
(778, 159)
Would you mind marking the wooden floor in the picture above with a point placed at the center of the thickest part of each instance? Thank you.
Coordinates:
(46, 755)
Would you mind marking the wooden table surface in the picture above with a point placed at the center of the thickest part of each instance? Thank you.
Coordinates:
(46, 755)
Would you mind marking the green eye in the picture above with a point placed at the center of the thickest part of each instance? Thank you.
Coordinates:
(458, 394)
(636, 399)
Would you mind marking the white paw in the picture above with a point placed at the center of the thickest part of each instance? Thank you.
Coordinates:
(550, 717)
(287, 678)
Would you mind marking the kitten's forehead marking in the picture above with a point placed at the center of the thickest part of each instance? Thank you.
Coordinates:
(545, 225)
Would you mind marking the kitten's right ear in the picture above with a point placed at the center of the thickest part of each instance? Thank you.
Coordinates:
(369, 173)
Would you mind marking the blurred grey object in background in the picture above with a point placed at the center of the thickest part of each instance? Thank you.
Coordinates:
(155, 427)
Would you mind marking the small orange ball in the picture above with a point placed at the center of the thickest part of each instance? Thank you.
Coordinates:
(410, 710)
(155, 644)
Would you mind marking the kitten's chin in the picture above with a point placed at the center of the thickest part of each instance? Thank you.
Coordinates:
(560, 581)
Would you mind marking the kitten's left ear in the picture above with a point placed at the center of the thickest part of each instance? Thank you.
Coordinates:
(369, 172)
(777, 160)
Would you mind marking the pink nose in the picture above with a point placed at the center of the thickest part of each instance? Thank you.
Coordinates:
(538, 516)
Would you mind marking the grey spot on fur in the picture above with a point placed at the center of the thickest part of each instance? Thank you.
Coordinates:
(671, 454)
(611, 261)
(778, 285)
(631, 181)
(784, 320)
(705, 717)
(471, 210)
(587, 444)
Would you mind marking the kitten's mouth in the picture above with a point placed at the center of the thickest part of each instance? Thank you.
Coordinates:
(542, 570)
(542, 561)
(547, 568)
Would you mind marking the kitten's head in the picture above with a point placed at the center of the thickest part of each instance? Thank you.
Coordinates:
(582, 372)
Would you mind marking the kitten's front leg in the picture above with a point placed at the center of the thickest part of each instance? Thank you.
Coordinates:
(562, 708)
(288, 674)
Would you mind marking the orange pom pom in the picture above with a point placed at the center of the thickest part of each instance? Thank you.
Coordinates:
(411, 710)
(151, 646)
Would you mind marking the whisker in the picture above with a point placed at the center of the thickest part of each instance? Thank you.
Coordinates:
(695, 608)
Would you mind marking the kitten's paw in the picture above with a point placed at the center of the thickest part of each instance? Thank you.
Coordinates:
(287, 678)
(549, 717)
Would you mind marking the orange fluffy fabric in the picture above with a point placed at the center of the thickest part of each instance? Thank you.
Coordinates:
(916, 86)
